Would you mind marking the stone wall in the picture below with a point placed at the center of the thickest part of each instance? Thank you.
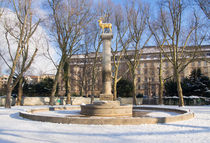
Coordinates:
(31, 101)
(2, 101)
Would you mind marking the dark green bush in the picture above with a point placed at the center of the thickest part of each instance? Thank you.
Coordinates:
(124, 88)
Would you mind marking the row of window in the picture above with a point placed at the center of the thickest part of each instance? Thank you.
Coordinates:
(146, 87)
(166, 64)
(146, 79)
(199, 63)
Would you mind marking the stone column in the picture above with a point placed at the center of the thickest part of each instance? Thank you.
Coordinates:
(106, 67)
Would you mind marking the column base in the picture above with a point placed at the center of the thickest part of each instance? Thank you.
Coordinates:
(107, 97)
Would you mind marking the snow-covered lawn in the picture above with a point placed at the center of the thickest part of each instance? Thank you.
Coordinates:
(14, 129)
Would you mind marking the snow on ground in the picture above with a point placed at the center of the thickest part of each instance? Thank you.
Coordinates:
(64, 113)
(60, 113)
(162, 114)
(14, 129)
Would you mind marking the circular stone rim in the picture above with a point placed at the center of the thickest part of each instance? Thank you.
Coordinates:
(106, 110)
(184, 115)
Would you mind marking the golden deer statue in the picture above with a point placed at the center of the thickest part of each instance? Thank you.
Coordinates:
(105, 25)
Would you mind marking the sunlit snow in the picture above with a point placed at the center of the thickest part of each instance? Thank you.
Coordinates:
(15, 129)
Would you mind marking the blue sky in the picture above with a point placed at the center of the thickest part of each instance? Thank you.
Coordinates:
(42, 11)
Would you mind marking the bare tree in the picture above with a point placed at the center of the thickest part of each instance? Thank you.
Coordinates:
(84, 66)
(60, 28)
(177, 38)
(68, 21)
(160, 41)
(121, 42)
(96, 43)
(204, 5)
(161, 83)
(21, 64)
(137, 24)
(22, 33)
(1, 7)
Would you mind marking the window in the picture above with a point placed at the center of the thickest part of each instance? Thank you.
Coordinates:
(139, 87)
(145, 64)
(205, 70)
(153, 88)
(139, 79)
(205, 63)
(113, 68)
(145, 79)
(139, 71)
(199, 63)
(146, 92)
(145, 71)
(182, 77)
(167, 72)
(153, 79)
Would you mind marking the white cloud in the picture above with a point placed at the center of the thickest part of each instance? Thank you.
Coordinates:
(41, 64)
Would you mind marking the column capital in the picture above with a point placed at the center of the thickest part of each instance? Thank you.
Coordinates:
(106, 36)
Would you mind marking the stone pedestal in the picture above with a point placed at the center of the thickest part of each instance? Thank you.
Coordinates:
(106, 109)
(106, 67)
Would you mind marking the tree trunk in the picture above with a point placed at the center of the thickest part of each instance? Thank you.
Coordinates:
(86, 87)
(134, 89)
(161, 82)
(134, 95)
(9, 90)
(93, 83)
(92, 93)
(68, 101)
(115, 86)
(179, 88)
(20, 92)
(52, 96)
(8, 97)
(81, 91)
(115, 90)
(161, 92)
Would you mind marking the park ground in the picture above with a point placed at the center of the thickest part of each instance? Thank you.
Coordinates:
(14, 129)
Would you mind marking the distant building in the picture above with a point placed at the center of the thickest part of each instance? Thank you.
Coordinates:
(30, 79)
(3, 80)
(147, 71)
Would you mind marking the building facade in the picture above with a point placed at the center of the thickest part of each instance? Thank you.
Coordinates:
(30, 79)
(3, 80)
(82, 66)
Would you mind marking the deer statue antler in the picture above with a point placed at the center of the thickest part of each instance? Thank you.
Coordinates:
(101, 18)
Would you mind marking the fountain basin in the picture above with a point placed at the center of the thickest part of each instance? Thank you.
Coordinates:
(95, 120)
(106, 109)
